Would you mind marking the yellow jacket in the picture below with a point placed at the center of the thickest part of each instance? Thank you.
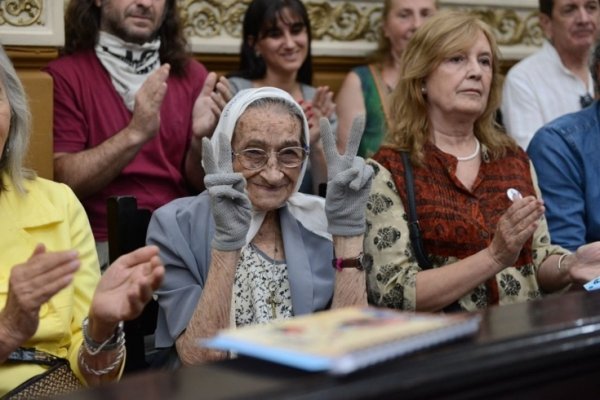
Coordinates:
(50, 214)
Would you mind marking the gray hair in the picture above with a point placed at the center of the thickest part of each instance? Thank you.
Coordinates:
(15, 148)
(284, 106)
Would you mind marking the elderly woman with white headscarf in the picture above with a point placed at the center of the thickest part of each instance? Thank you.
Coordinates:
(251, 248)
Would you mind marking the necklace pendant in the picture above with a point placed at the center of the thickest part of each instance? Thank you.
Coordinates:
(274, 300)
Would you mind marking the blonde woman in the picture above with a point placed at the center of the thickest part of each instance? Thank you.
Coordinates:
(484, 246)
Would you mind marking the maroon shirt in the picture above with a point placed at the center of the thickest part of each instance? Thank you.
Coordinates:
(88, 111)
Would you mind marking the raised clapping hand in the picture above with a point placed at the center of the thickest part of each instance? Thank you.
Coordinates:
(145, 121)
(514, 227)
(230, 204)
(120, 295)
(208, 106)
(348, 181)
(32, 284)
(322, 103)
(321, 106)
(124, 289)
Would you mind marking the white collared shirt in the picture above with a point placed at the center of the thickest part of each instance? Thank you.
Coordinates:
(537, 90)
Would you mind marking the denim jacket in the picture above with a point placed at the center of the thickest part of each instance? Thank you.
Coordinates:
(566, 156)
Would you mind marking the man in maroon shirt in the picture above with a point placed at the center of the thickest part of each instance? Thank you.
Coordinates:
(130, 107)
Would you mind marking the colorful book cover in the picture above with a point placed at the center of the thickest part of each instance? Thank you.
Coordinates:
(343, 340)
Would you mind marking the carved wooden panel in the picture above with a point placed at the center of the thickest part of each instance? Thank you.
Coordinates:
(349, 28)
(32, 22)
(340, 28)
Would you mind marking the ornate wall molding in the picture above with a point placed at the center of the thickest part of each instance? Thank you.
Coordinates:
(341, 28)
(31, 22)
(349, 28)
(515, 23)
(20, 13)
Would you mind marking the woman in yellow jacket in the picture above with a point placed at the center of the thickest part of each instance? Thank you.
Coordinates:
(52, 297)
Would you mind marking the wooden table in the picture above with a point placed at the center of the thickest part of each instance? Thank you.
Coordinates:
(547, 349)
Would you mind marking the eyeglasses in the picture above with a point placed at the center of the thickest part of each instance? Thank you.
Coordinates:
(254, 158)
(586, 100)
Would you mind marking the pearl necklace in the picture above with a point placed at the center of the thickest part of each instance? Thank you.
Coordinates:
(472, 156)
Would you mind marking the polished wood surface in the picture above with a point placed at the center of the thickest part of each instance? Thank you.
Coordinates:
(40, 154)
(548, 349)
(28, 62)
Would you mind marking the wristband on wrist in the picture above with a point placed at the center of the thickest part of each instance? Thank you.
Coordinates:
(92, 347)
(342, 263)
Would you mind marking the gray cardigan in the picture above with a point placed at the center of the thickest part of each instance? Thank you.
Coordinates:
(183, 230)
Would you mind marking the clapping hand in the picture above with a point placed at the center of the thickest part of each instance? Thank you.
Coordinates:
(321, 106)
(585, 264)
(208, 106)
(322, 102)
(230, 204)
(348, 181)
(514, 228)
(145, 121)
(125, 288)
(32, 284)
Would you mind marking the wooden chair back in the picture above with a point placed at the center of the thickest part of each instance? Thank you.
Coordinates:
(127, 227)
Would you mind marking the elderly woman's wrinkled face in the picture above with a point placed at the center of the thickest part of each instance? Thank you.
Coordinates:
(460, 85)
(4, 117)
(270, 128)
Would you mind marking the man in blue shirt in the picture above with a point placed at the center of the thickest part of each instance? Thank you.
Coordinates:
(566, 156)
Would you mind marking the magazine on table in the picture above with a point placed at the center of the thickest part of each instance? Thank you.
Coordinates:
(343, 340)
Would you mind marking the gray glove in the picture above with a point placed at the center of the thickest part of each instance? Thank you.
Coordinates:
(229, 202)
(348, 182)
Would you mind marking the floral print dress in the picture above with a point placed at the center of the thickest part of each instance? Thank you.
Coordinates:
(455, 223)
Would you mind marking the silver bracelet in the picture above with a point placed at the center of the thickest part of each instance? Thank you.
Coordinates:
(103, 371)
(92, 347)
(560, 260)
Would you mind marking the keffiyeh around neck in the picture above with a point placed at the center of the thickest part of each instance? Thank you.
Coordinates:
(308, 210)
(128, 64)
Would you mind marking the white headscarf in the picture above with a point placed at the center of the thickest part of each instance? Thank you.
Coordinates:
(307, 209)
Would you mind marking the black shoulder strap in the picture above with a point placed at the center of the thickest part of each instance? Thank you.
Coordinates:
(413, 220)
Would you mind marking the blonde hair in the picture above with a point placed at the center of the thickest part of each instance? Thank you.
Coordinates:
(440, 37)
